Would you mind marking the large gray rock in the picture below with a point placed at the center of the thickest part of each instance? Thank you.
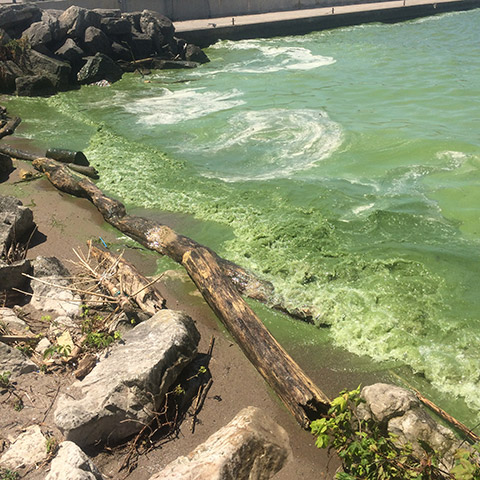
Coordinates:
(119, 395)
(142, 45)
(195, 54)
(34, 86)
(57, 70)
(16, 222)
(71, 53)
(9, 72)
(12, 322)
(71, 463)
(75, 20)
(398, 411)
(51, 291)
(38, 34)
(116, 26)
(12, 274)
(6, 166)
(14, 19)
(28, 449)
(158, 27)
(251, 447)
(99, 67)
(96, 41)
(14, 361)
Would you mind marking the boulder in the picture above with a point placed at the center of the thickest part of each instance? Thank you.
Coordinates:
(130, 382)
(399, 412)
(4, 37)
(6, 166)
(119, 52)
(96, 41)
(27, 450)
(12, 274)
(116, 26)
(38, 34)
(11, 321)
(71, 463)
(51, 291)
(57, 70)
(134, 19)
(251, 447)
(9, 72)
(14, 361)
(158, 28)
(75, 20)
(99, 67)
(195, 54)
(16, 222)
(14, 19)
(71, 53)
(142, 45)
(34, 86)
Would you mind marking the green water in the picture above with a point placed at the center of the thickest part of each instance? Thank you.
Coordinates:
(343, 166)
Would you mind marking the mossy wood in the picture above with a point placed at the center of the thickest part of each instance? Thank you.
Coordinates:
(219, 281)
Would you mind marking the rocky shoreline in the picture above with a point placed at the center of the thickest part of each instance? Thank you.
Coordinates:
(43, 52)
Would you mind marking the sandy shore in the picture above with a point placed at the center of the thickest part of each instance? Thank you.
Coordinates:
(65, 223)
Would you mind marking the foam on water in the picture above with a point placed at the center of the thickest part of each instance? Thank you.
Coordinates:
(179, 106)
(280, 142)
(266, 56)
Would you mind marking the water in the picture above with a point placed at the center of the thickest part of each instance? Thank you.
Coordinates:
(343, 166)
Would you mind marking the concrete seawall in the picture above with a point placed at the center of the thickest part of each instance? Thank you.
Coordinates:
(298, 22)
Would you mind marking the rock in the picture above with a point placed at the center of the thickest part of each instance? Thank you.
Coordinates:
(96, 41)
(16, 222)
(195, 54)
(75, 20)
(27, 450)
(12, 275)
(71, 463)
(4, 37)
(35, 86)
(10, 319)
(398, 411)
(38, 34)
(417, 425)
(52, 297)
(134, 19)
(71, 53)
(9, 71)
(43, 345)
(130, 382)
(57, 70)
(14, 361)
(158, 28)
(99, 67)
(116, 26)
(108, 12)
(14, 19)
(6, 166)
(142, 45)
(384, 401)
(172, 64)
(119, 52)
(251, 447)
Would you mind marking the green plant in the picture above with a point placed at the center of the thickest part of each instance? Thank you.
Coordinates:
(5, 379)
(51, 445)
(18, 405)
(369, 454)
(60, 350)
(7, 474)
(100, 340)
(25, 349)
(46, 318)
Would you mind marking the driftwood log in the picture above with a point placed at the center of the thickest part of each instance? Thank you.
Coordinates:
(131, 283)
(219, 282)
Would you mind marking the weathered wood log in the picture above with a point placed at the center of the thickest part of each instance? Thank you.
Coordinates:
(15, 153)
(67, 156)
(10, 126)
(87, 171)
(301, 396)
(131, 282)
